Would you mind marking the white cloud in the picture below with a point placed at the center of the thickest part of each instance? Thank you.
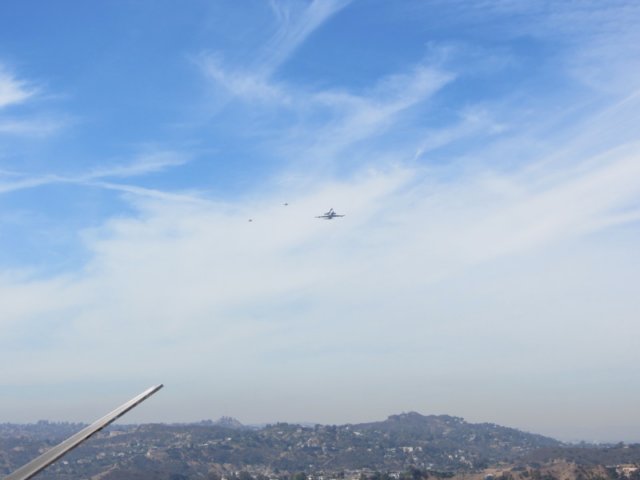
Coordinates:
(19, 182)
(473, 122)
(136, 192)
(31, 128)
(358, 117)
(152, 162)
(248, 86)
(295, 21)
(144, 164)
(12, 90)
(585, 36)
(326, 123)
(183, 288)
(295, 24)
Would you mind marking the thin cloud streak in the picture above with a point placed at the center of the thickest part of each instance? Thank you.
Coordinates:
(295, 24)
(248, 86)
(363, 116)
(294, 29)
(32, 127)
(16, 93)
(142, 165)
(145, 192)
(12, 90)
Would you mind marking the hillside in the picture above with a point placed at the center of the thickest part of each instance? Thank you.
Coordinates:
(398, 443)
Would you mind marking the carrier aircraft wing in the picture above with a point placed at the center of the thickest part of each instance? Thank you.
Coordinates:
(50, 456)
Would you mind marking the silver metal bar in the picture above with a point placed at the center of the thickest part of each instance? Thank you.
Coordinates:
(47, 458)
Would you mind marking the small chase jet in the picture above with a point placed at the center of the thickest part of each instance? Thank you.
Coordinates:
(329, 215)
(50, 456)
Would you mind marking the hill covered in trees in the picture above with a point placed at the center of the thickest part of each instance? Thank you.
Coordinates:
(408, 446)
(397, 443)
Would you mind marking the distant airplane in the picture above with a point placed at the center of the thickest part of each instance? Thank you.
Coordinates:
(285, 204)
(47, 458)
(329, 215)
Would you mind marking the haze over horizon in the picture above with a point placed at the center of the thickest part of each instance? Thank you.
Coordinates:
(486, 156)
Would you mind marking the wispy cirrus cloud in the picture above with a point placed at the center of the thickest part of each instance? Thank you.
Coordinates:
(16, 92)
(13, 91)
(585, 36)
(354, 118)
(138, 193)
(33, 127)
(19, 182)
(295, 21)
(247, 85)
(141, 165)
(326, 122)
(294, 24)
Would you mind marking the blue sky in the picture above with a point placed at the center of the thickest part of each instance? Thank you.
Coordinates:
(486, 157)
